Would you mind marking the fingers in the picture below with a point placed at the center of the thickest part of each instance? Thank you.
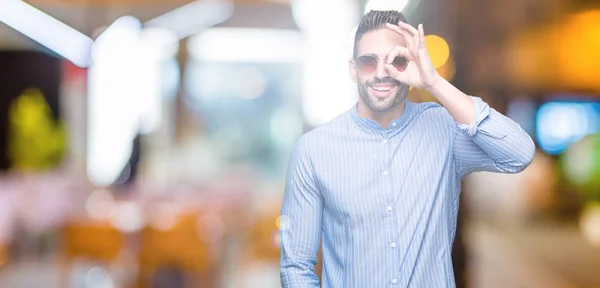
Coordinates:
(417, 35)
(421, 32)
(421, 37)
(391, 69)
(410, 40)
(398, 51)
(409, 28)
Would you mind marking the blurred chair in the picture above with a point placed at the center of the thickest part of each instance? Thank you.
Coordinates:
(264, 244)
(258, 265)
(90, 240)
(264, 239)
(177, 255)
(95, 240)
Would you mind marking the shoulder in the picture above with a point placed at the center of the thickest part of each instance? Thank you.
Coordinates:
(325, 133)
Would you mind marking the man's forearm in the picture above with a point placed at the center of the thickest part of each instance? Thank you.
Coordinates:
(458, 104)
(501, 138)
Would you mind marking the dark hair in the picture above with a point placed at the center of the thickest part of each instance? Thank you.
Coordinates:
(375, 20)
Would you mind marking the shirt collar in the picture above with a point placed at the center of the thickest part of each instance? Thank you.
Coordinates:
(396, 124)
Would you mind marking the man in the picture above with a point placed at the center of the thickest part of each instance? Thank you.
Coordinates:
(381, 182)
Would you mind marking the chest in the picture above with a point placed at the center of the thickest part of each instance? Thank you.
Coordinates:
(366, 176)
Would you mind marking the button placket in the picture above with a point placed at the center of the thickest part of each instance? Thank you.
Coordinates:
(388, 178)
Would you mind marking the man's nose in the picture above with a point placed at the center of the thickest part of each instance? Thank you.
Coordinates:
(381, 70)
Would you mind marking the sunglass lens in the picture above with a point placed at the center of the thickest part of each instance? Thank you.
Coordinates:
(366, 63)
(400, 63)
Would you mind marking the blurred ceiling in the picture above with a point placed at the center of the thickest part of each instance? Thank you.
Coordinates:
(89, 15)
(84, 17)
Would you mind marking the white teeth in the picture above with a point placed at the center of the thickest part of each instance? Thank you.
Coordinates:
(382, 89)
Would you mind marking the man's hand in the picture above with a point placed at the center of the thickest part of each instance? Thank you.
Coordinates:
(420, 72)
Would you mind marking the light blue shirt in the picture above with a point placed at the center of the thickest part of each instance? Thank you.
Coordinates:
(384, 202)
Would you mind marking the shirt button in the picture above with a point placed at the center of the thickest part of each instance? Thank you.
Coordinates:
(393, 245)
(394, 281)
(389, 208)
(385, 172)
(384, 141)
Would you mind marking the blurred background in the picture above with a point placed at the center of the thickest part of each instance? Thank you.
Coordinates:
(144, 143)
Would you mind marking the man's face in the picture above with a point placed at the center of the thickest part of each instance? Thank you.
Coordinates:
(376, 88)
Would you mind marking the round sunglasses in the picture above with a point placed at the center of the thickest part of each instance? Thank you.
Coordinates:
(368, 63)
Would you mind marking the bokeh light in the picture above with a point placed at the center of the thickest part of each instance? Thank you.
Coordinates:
(98, 277)
(438, 49)
(581, 68)
(581, 166)
(100, 205)
(447, 70)
(590, 224)
(283, 222)
(560, 124)
(251, 83)
(276, 238)
(128, 217)
(164, 216)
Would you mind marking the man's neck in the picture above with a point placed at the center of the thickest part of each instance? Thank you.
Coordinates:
(383, 118)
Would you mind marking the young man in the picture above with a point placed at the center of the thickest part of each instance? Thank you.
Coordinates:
(380, 183)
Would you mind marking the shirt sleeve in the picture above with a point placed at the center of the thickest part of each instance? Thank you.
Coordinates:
(300, 222)
(492, 142)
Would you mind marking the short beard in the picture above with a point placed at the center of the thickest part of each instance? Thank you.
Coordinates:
(389, 104)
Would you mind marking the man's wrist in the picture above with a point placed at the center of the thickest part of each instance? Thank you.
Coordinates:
(436, 84)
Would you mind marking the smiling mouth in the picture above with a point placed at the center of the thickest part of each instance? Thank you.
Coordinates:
(385, 88)
(382, 91)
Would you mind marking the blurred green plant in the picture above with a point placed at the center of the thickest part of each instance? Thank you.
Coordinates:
(35, 140)
(581, 166)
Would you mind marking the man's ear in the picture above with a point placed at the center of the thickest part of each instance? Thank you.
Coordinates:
(352, 71)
